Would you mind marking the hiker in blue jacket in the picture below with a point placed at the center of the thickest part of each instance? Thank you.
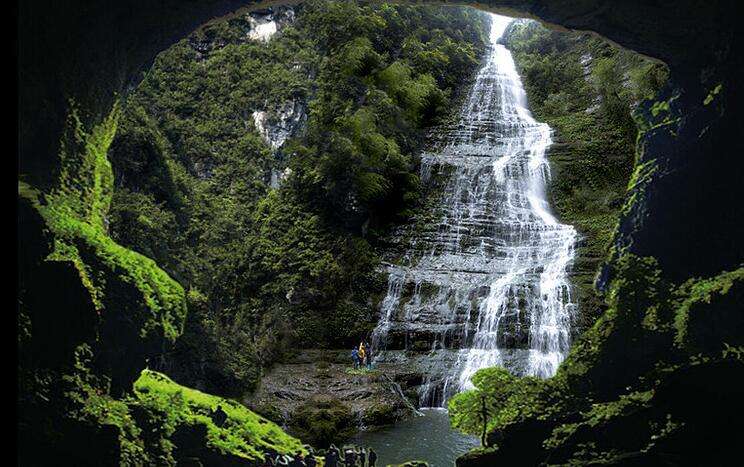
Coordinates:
(355, 357)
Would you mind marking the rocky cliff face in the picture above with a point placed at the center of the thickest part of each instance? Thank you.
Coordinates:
(320, 399)
(586, 90)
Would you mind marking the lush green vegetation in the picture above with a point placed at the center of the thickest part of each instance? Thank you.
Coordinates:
(75, 211)
(122, 285)
(261, 270)
(153, 423)
(587, 91)
(243, 433)
(272, 269)
(479, 410)
(127, 307)
(110, 258)
(629, 376)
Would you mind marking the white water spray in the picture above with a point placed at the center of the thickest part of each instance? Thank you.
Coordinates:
(489, 284)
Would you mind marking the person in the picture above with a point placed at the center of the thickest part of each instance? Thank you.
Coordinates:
(361, 351)
(362, 457)
(218, 416)
(331, 459)
(369, 357)
(355, 357)
(349, 457)
(371, 457)
(310, 460)
(268, 460)
(297, 461)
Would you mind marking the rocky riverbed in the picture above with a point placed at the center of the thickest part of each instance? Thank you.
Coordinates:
(320, 398)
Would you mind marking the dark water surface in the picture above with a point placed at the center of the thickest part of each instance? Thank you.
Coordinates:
(426, 438)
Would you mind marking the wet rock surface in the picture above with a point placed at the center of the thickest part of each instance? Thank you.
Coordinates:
(322, 399)
(485, 283)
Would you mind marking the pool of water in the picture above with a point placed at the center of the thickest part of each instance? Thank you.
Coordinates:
(428, 437)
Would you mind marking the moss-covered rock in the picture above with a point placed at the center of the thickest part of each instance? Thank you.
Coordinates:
(240, 433)
(323, 420)
(710, 316)
(624, 394)
(137, 305)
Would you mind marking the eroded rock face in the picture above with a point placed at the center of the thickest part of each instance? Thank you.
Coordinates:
(277, 125)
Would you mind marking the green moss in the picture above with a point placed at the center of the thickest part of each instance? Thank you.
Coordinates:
(244, 434)
(322, 421)
(637, 289)
(598, 415)
(642, 176)
(709, 315)
(659, 107)
(91, 402)
(660, 114)
(75, 212)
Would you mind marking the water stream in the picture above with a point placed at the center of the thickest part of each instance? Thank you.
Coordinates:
(487, 283)
(427, 437)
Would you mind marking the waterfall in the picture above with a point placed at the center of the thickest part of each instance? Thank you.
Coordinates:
(488, 283)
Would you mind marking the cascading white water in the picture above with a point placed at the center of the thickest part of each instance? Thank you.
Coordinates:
(489, 284)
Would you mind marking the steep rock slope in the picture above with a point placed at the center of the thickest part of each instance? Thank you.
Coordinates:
(587, 91)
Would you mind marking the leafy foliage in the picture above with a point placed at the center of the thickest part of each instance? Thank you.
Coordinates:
(478, 410)
(276, 268)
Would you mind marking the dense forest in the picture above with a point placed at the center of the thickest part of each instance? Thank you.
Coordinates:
(272, 269)
(271, 242)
